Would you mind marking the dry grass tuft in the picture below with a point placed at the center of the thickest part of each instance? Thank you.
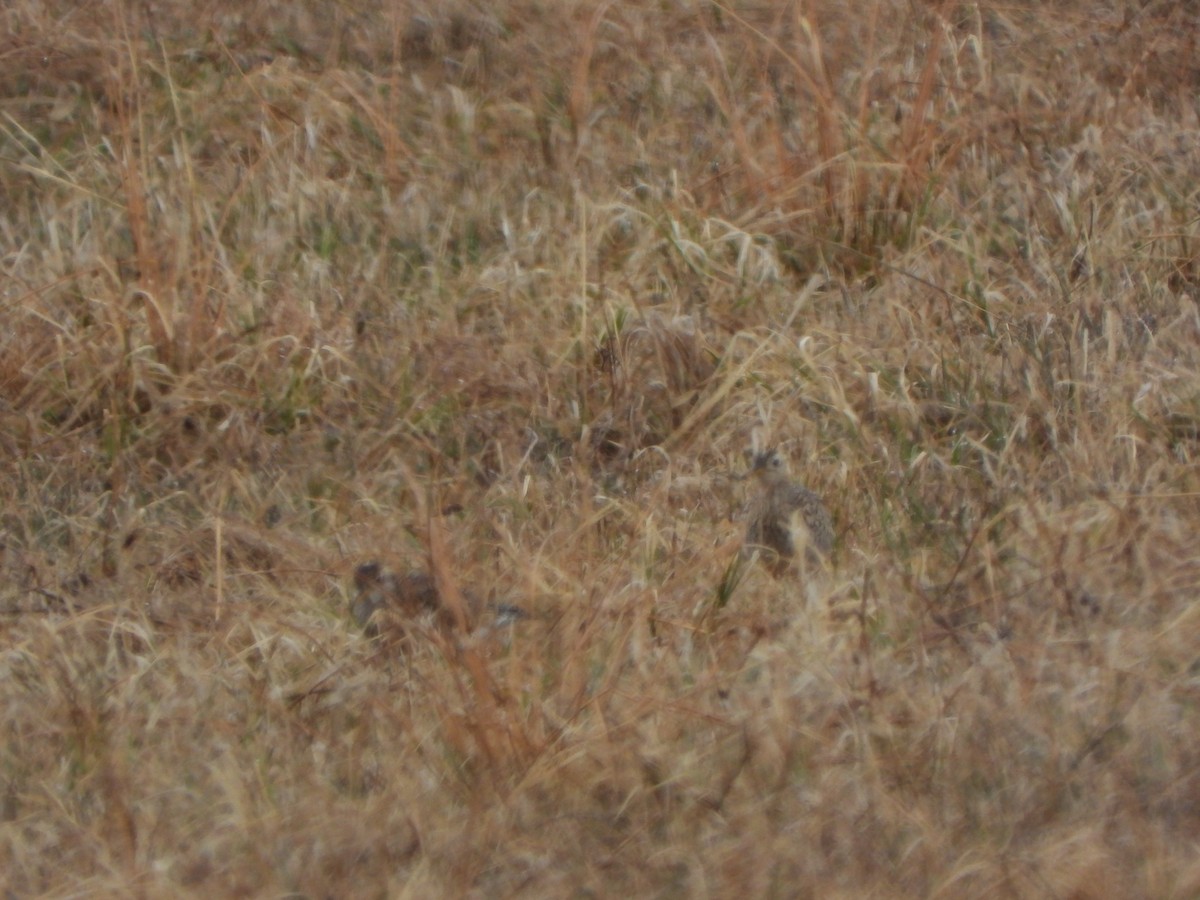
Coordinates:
(502, 292)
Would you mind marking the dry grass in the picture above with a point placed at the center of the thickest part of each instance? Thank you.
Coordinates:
(506, 288)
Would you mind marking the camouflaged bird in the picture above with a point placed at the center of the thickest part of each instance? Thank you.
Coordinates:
(382, 598)
(785, 518)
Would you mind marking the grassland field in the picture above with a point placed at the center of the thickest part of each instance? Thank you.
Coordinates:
(503, 291)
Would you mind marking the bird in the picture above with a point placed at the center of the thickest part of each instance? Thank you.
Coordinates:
(785, 518)
(381, 597)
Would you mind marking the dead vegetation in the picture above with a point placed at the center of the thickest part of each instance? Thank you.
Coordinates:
(502, 291)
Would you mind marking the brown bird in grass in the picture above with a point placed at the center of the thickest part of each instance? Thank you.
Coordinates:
(785, 518)
(381, 596)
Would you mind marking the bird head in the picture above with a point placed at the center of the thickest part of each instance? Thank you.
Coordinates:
(769, 467)
(367, 576)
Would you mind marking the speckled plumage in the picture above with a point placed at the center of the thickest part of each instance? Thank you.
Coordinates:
(785, 517)
(381, 595)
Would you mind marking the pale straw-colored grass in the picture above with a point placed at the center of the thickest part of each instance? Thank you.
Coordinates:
(504, 291)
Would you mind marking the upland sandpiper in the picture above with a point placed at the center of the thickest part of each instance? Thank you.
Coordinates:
(787, 522)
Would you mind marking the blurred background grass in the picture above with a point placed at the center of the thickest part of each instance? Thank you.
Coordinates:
(510, 287)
